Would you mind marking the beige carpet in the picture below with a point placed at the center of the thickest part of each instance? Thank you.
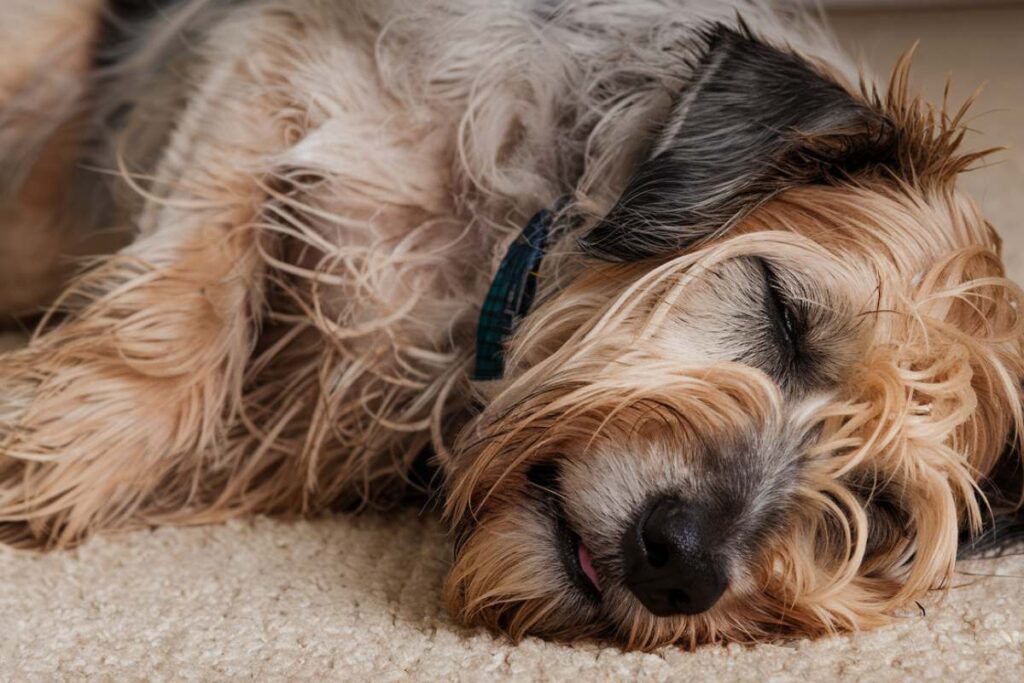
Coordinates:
(358, 599)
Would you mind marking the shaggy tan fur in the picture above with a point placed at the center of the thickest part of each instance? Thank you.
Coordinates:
(320, 205)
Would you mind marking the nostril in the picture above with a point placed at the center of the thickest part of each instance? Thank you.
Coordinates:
(675, 527)
(657, 533)
(658, 554)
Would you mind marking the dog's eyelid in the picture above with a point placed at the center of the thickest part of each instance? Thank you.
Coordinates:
(781, 306)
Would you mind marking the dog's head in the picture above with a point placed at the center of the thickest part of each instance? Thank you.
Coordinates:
(765, 402)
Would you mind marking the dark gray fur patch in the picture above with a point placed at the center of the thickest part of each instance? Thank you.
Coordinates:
(753, 121)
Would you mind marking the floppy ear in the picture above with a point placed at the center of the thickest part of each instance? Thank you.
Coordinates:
(753, 121)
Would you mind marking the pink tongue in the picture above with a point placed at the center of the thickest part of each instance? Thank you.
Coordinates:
(588, 565)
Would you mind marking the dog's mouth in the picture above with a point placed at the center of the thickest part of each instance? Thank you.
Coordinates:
(575, 556)
(587, 565)
(573, 552)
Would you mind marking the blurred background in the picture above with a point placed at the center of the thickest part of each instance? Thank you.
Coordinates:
(974, 43)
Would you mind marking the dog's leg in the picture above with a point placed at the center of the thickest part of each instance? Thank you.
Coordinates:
(176, 389)
(46, 51)
(111, 413)
(133, 388)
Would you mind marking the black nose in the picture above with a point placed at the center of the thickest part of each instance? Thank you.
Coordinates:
(670, 566)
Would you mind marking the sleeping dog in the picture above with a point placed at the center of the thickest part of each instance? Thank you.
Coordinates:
(693, 322)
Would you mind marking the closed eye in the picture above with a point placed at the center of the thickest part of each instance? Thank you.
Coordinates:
(785, 324)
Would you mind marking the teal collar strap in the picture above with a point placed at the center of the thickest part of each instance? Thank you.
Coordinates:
(510, 296)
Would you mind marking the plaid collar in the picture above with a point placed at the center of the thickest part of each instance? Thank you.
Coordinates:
(510, 296)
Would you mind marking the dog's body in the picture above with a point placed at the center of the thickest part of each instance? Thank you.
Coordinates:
(320, 194)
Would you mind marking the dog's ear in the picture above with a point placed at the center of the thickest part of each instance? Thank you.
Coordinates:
(753, 121)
